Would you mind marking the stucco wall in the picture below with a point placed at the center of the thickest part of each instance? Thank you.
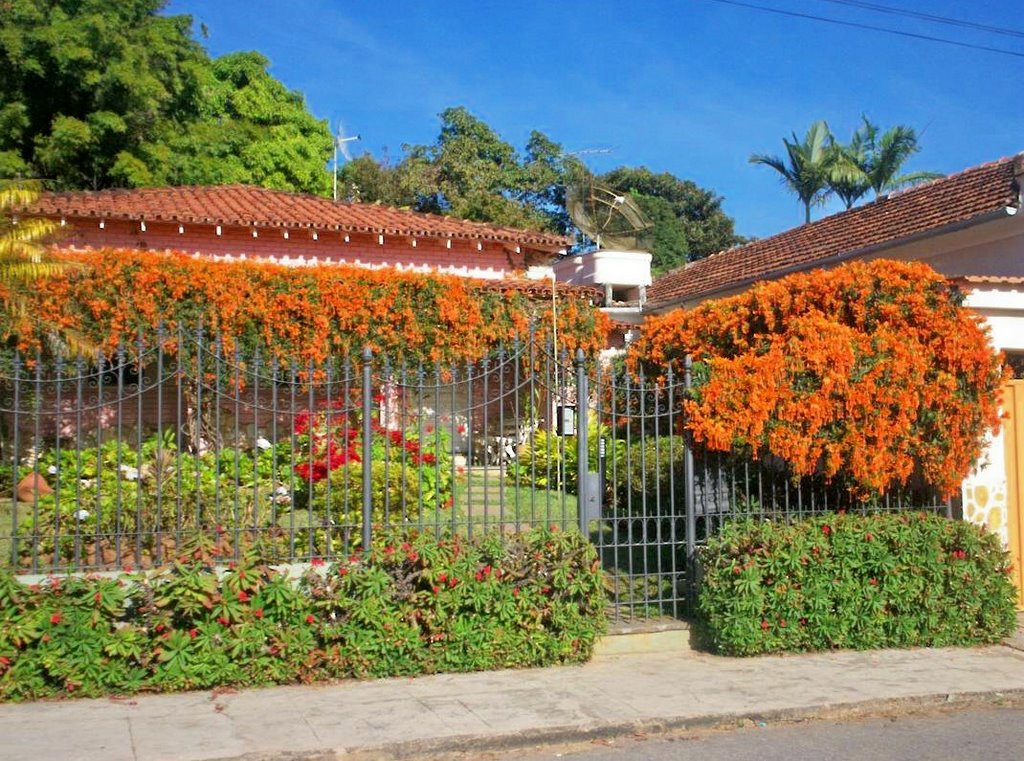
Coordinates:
(483, 259)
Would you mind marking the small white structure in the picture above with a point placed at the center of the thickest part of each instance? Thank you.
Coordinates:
(623, 275)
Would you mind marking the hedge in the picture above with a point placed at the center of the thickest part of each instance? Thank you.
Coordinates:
(413, 605)
(854, 581)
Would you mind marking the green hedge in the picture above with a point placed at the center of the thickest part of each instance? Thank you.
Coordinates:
(854, 581)
(414, 605)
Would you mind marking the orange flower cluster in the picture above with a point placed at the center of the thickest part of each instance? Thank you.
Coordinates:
(303, 315)
(869, 373)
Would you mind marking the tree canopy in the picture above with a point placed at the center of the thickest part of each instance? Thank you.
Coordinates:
(688, 220)
(469, 171)
(97, 94)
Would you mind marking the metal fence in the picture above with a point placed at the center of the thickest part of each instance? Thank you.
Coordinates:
(129, 460)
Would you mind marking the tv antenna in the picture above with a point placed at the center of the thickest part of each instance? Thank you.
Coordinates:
(341, 141)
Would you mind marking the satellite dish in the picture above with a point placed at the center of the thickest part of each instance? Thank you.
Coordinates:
(610, 218)
(341, 141)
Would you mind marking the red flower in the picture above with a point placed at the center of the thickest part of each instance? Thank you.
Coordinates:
(55, 618)
(868, 537)
(873, 582)
(765, 625)
(310, 619)
(826, 529)
(436, 590)
(258, 612)
(193, 633)
(316, 562)
(460, 429)
(243, 597)
(223, 620)
(343, 571)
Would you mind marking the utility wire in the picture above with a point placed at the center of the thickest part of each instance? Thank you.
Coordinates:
(929, 17)
(855, 25)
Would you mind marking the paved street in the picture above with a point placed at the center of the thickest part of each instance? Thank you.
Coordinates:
(971, 735)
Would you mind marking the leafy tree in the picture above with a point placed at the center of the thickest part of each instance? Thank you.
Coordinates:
(368, 180)
(97, 94)
(471, 173)
(873, 161)
(688, 220)
(251, 129)
(808, 166)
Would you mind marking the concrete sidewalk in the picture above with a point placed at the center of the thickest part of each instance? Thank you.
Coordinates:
(429, 716)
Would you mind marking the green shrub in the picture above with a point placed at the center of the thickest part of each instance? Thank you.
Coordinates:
(549, 461)
(414, 604)
(854, 581)
(121, 494)
(650, 476)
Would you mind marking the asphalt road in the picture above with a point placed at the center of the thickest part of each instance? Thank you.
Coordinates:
(987, 734)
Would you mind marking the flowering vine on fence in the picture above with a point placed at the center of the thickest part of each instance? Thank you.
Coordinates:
(303, 315)
(869, 373)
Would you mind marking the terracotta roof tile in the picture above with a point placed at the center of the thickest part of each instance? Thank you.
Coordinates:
(248, 206)
(542, 289)
(920, 209)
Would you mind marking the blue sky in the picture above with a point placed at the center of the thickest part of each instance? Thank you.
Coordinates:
(691, 87)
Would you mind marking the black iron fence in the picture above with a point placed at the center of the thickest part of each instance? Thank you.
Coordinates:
(129, 460)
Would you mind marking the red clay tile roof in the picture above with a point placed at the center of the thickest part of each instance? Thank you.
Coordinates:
(248, 206)
(958, 198)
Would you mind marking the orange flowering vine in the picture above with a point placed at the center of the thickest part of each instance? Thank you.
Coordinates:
(301, 315)
(868, 373)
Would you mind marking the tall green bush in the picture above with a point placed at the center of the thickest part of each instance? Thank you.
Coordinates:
(854, 581)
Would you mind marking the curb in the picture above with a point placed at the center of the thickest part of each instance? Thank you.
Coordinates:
(448, 747)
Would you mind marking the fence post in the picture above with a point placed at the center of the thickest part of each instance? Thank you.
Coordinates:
(367, 447)
(583, 490)
(689, 494)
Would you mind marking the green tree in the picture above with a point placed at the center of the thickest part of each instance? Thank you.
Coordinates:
(368, 180)
(250, 129)
(688, 220)
(808, 167)
(874, 161)
(97, 94)
(471, 173)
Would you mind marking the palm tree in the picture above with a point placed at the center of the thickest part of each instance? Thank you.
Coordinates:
(24, 259)
(873, 162)
(808, 168)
